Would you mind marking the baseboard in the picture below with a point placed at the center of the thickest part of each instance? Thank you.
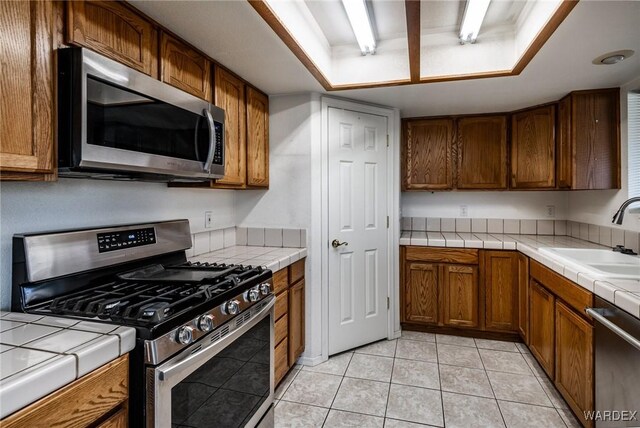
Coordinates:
(480, 334)
(310, 361)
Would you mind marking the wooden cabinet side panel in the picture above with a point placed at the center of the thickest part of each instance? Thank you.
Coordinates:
(27, 141)
(114, 30)
(257, 138)
(574, 374)
(523, 297)
(81, 403)
(296, 321)
(230, 96)
(184, 67)
(482, 152)
(427, 154)
(596, 139)
(565, 152)
(460, 296)
(421, 293)
(542, 326)
(501, 290)
(533, 148)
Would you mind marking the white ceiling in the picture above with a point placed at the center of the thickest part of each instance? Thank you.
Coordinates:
(234, 34)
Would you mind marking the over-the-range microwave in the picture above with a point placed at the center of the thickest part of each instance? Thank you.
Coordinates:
(115, 122)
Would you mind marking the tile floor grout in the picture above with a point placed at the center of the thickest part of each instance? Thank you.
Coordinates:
(554, 409)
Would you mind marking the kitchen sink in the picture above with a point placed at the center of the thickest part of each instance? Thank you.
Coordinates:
(599, 262)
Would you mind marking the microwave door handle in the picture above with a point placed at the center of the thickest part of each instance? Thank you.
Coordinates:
(212, 140)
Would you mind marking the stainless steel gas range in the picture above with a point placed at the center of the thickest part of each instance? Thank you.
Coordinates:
(204, 350)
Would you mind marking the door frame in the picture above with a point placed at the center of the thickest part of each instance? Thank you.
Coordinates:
(393, 210)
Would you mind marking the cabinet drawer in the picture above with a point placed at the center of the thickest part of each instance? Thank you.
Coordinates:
(280, 281)
(577, 297)
(282, 328)
(442, 255)
(296, 271)
(282, 305)
(281, 356)
(79, 403)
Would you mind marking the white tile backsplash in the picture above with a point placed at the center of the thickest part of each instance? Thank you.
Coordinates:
(216, 239)
(241, 236)
(255, 236)
(273, 237)
(229, 237)
(201, 243)
(291, 238)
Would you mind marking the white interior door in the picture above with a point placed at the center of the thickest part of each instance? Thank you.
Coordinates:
(358, 270)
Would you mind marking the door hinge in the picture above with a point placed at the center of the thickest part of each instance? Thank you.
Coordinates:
(387, 140)
(388, 303)
(387, 222)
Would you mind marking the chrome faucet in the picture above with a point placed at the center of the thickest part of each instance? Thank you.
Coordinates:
(619, 215)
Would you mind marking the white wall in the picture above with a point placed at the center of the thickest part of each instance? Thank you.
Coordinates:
(510, 204)
(75, 203)
(293, 134)
(598, 206)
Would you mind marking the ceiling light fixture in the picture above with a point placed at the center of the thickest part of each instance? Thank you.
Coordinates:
(474, 13)
(361, 25)
(611, 58)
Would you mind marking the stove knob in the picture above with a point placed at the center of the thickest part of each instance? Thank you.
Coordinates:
(265, 288)
(252, 295)
(232, 307)
(205, 323)
(185, 335)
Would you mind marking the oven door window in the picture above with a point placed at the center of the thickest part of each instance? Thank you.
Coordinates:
(121, 119)
(229, 388)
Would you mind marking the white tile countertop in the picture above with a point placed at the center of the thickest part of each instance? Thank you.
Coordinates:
(623, 293)
(274, 258)
(40, 354)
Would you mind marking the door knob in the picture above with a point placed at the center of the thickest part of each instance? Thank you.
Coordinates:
(335, 243)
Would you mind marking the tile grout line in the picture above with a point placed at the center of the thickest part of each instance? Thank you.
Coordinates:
(492, 390)
(393, 365)
(338, 390)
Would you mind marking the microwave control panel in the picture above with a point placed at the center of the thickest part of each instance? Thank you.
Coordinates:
(219, 144)
(112, 241)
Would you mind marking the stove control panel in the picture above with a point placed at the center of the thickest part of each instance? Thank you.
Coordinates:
(112, 241)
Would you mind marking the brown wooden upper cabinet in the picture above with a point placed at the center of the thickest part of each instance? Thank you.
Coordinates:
(257, 138)
(26, 115)
(533, 148)
(589, 140)
(114, 30)
(230, 96)
(184, 67)
(482, 152)
(427, 152)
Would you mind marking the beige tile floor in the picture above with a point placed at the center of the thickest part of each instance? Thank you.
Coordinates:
(420, 380)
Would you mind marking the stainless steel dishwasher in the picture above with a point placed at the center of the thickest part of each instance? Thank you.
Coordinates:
(617, 362)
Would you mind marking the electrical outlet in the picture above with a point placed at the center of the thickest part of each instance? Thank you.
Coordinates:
(464, 211)
(208, 219)
(551, 211)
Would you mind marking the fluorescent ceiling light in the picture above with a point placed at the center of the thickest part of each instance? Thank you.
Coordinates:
(361, 25)
(473, 16)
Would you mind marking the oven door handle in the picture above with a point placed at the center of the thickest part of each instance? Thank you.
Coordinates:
(595, 313)
(199, 357)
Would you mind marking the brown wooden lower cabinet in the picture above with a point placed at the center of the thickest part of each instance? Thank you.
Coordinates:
(460, 296)
(421, 293)
(85, 402)
(501, 290)
(523, 297)
(574, 360)
(542, 326)
(288, 286)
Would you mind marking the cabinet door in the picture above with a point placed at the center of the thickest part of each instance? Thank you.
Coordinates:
(296, 321)
(185, 68)
(574, 360)
(542, 326)
(26, 85)
(533, 149)
(482, 152)
(421, 293)
(281, 355)
(112, 29)
(257, 138)
(596, 138)
(501, 290)
(460, 296)
(427, 152)
(230, 96)
(523, 297)
(564, 169)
